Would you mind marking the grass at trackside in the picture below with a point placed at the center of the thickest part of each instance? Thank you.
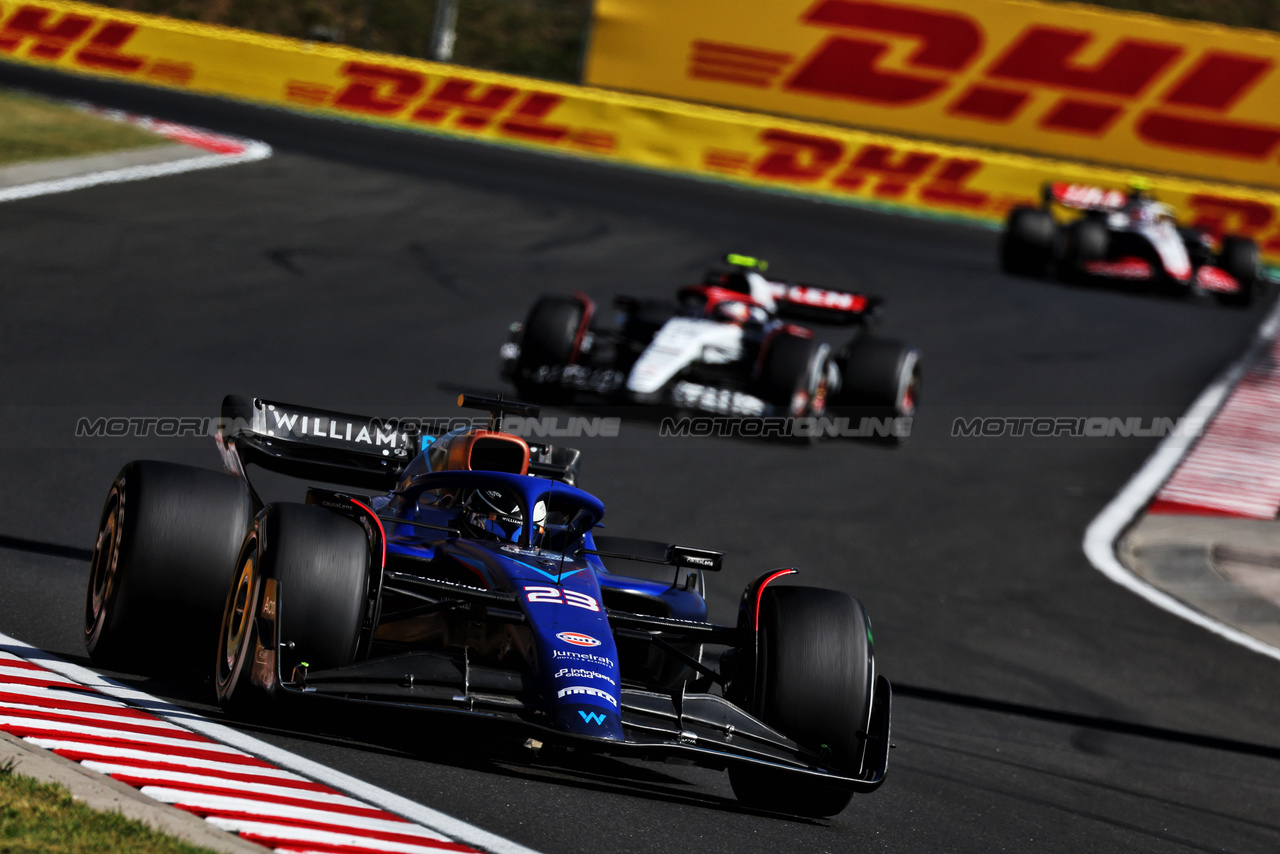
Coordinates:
(41, 818)
(36, 129)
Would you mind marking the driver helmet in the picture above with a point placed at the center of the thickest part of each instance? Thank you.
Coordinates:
(490, 511)
(731, 311)
(1139, 189)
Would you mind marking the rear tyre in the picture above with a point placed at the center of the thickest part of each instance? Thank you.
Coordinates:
(793, 377)
(814, 685)
(1239, 259)
(880, 378)
(550, 333)
(166, 548)
(320, 562)
(1026, 245)
(1086, 240)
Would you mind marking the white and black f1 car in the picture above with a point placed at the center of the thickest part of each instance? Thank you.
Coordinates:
(1127, 237)
(473, 584)
(724, 346)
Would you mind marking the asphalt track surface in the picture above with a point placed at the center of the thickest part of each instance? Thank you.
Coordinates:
(1039, 707)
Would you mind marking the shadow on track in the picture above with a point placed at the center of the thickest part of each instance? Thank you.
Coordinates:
(1085, 721)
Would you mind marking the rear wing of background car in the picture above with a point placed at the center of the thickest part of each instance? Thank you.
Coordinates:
(809, 302)
(1084, 197)
(340, 448)
(823, 305)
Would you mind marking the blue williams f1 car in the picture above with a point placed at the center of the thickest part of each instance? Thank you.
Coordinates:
(474, 583)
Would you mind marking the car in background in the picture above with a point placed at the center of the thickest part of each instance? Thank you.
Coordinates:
(1127, 238)
(726, 346)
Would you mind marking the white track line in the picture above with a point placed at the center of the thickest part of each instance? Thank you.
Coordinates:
(1103, 532)
(434, 820)
(253, 150)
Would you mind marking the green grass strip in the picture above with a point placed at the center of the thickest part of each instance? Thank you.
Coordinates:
(33, 129)
(42, 818)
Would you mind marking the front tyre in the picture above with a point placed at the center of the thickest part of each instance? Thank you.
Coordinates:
(814, 682)
(166, 548)
(319, 562)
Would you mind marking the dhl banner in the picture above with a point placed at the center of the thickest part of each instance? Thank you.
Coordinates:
(1064, 80)
(832, 162)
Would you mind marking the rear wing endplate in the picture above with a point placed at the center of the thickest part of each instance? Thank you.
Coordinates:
(823, 305)
(335, 447)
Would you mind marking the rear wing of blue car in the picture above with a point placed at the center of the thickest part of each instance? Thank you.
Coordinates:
(317, 444)
(340, 448)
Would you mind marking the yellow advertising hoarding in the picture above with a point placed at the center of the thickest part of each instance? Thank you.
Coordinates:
(1064, 80)
(767, 152)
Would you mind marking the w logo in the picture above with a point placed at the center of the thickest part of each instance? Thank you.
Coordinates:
(596, 718)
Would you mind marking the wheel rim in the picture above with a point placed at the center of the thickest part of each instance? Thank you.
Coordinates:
(910, 391)
(908, 405)
(103, 568)
(818, 404)
(235, 638)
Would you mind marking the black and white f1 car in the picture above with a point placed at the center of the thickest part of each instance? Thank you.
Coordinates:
(1127, 237)
(724, 346)
(474, 584)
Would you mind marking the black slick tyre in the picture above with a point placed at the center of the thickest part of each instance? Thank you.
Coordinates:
(880, 378)
(548, 341)
(814, 682)
(166, 547)
(1086, 240)
(1239, 259)
(792, 377)
(320, 563)
(1026, 244)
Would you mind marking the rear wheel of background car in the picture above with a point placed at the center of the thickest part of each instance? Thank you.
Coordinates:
(815, 677)
(1086, 240)
(1026, 245)
(550, 332)
(787, 378)
(166, 548)
(320, 562)
(879, 378)
(1239, 259)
